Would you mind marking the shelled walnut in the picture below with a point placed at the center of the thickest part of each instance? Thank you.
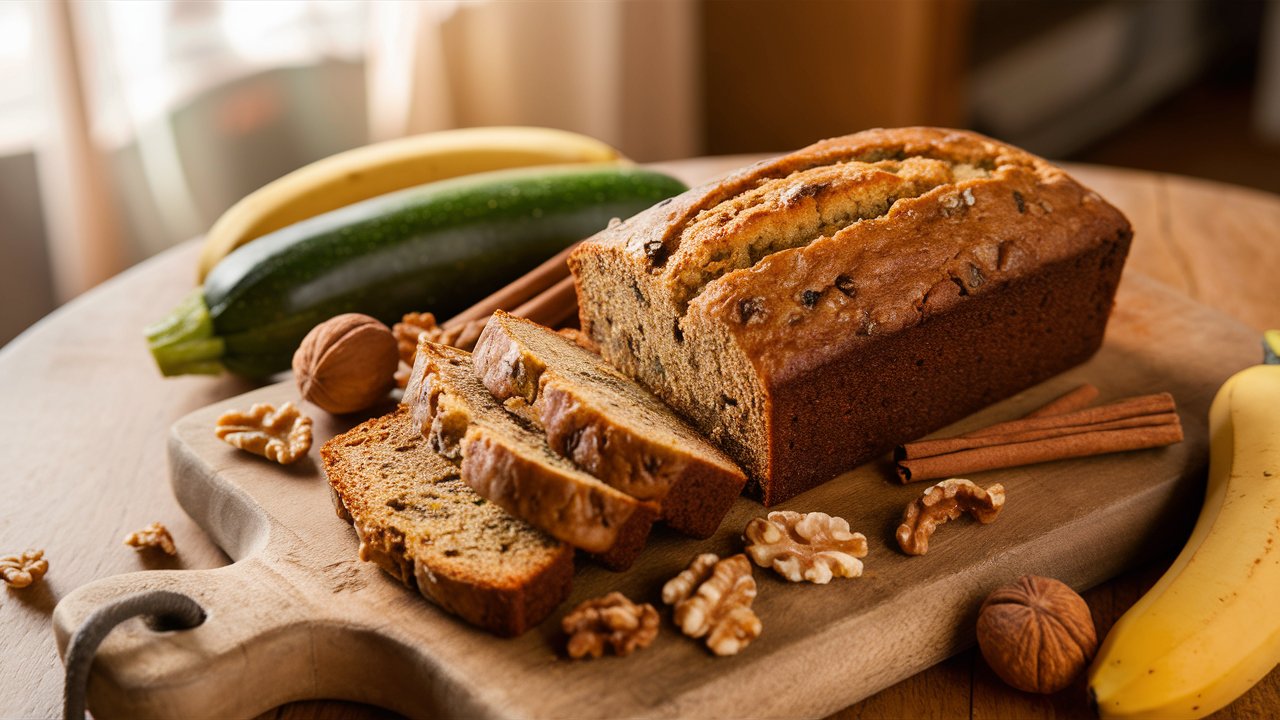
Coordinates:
(806, 546)
(23, 569)
(613, 620)
(713, 599)
(1037, 634)
(409, 331)
(945, 501)
(282, 435)
(152, 537)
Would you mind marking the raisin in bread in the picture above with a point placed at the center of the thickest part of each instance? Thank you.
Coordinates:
(419, 522)
(506, 459)
(812, 311)
(607, 424)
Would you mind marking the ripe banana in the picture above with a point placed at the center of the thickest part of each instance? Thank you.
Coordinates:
(1209, 628)
(365, 172)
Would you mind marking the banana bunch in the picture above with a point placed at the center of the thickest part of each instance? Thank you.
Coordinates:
(1210, 628)
(366, 172)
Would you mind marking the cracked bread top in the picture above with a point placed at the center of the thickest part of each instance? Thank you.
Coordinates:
(805, 256)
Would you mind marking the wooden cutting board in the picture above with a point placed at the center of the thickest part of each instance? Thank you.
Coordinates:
(297, 616)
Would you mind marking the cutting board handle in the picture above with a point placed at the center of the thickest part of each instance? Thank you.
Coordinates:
(217, 669)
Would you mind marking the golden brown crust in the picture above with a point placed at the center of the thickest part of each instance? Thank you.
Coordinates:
(508, 611)
(759, 304)
(657, 233)
(590, 516)
(608, 425)
(508, 461)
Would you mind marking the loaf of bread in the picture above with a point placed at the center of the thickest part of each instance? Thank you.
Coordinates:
(812, 311)
(505, 458)
(421, 524)
(607, 424)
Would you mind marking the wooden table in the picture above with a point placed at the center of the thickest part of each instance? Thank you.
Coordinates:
(84, 416)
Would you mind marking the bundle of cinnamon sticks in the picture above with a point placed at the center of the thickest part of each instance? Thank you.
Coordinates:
(545, 295)
(1064, 428)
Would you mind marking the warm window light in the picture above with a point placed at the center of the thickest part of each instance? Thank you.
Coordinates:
(258, 31)
(15, 32)
(141, 48)
(18, 88)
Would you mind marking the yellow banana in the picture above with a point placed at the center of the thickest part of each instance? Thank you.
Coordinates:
(365, 172)
(1209, 629)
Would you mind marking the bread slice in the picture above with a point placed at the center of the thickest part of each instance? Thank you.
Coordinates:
(421, 524)
(506, 459)
(607, 424)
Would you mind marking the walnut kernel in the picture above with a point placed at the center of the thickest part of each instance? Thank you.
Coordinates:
(806, 546)
(414, 327)
(1037, 634)
(613, 620)
(346, 363)
(282, 435)
(407, 333)
(682, 586)
(152, 537)
(945, 501)
(23, 569)
(713, 599)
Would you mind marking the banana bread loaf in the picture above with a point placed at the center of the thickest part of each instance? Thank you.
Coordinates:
(607, 424)
(812, 311)
(421, 524)
(506, 459)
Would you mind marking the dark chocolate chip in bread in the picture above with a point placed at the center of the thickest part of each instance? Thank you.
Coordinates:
(506, 459)
(607, 424)
(419, 522)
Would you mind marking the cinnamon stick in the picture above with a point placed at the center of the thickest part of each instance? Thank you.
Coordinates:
(552, 307)
(1131, 407)
(943, 446)
(1077, 399)
(1131, 424)
(1028, 453)
(529, 285)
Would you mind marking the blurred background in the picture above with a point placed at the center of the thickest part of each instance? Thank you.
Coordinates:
(128, 127)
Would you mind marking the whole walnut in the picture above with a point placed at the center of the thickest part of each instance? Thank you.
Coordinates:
(346, 363)
(1037, 634)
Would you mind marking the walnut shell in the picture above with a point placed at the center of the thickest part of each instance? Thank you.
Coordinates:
(1037, 634)
(346, 363)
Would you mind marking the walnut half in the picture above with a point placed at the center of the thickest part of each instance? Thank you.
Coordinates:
(152, 537)
(282, 435)
(713, 599)
(23, 569)
(810, 546)
(612, 619)
(945, 501)
(413, 326)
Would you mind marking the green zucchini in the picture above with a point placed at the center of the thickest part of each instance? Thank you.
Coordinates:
(441, 247)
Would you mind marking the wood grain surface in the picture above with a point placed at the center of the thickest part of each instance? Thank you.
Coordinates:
(84, 419)
(298, 615)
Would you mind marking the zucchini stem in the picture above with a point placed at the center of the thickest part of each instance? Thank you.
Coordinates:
(183, 343)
